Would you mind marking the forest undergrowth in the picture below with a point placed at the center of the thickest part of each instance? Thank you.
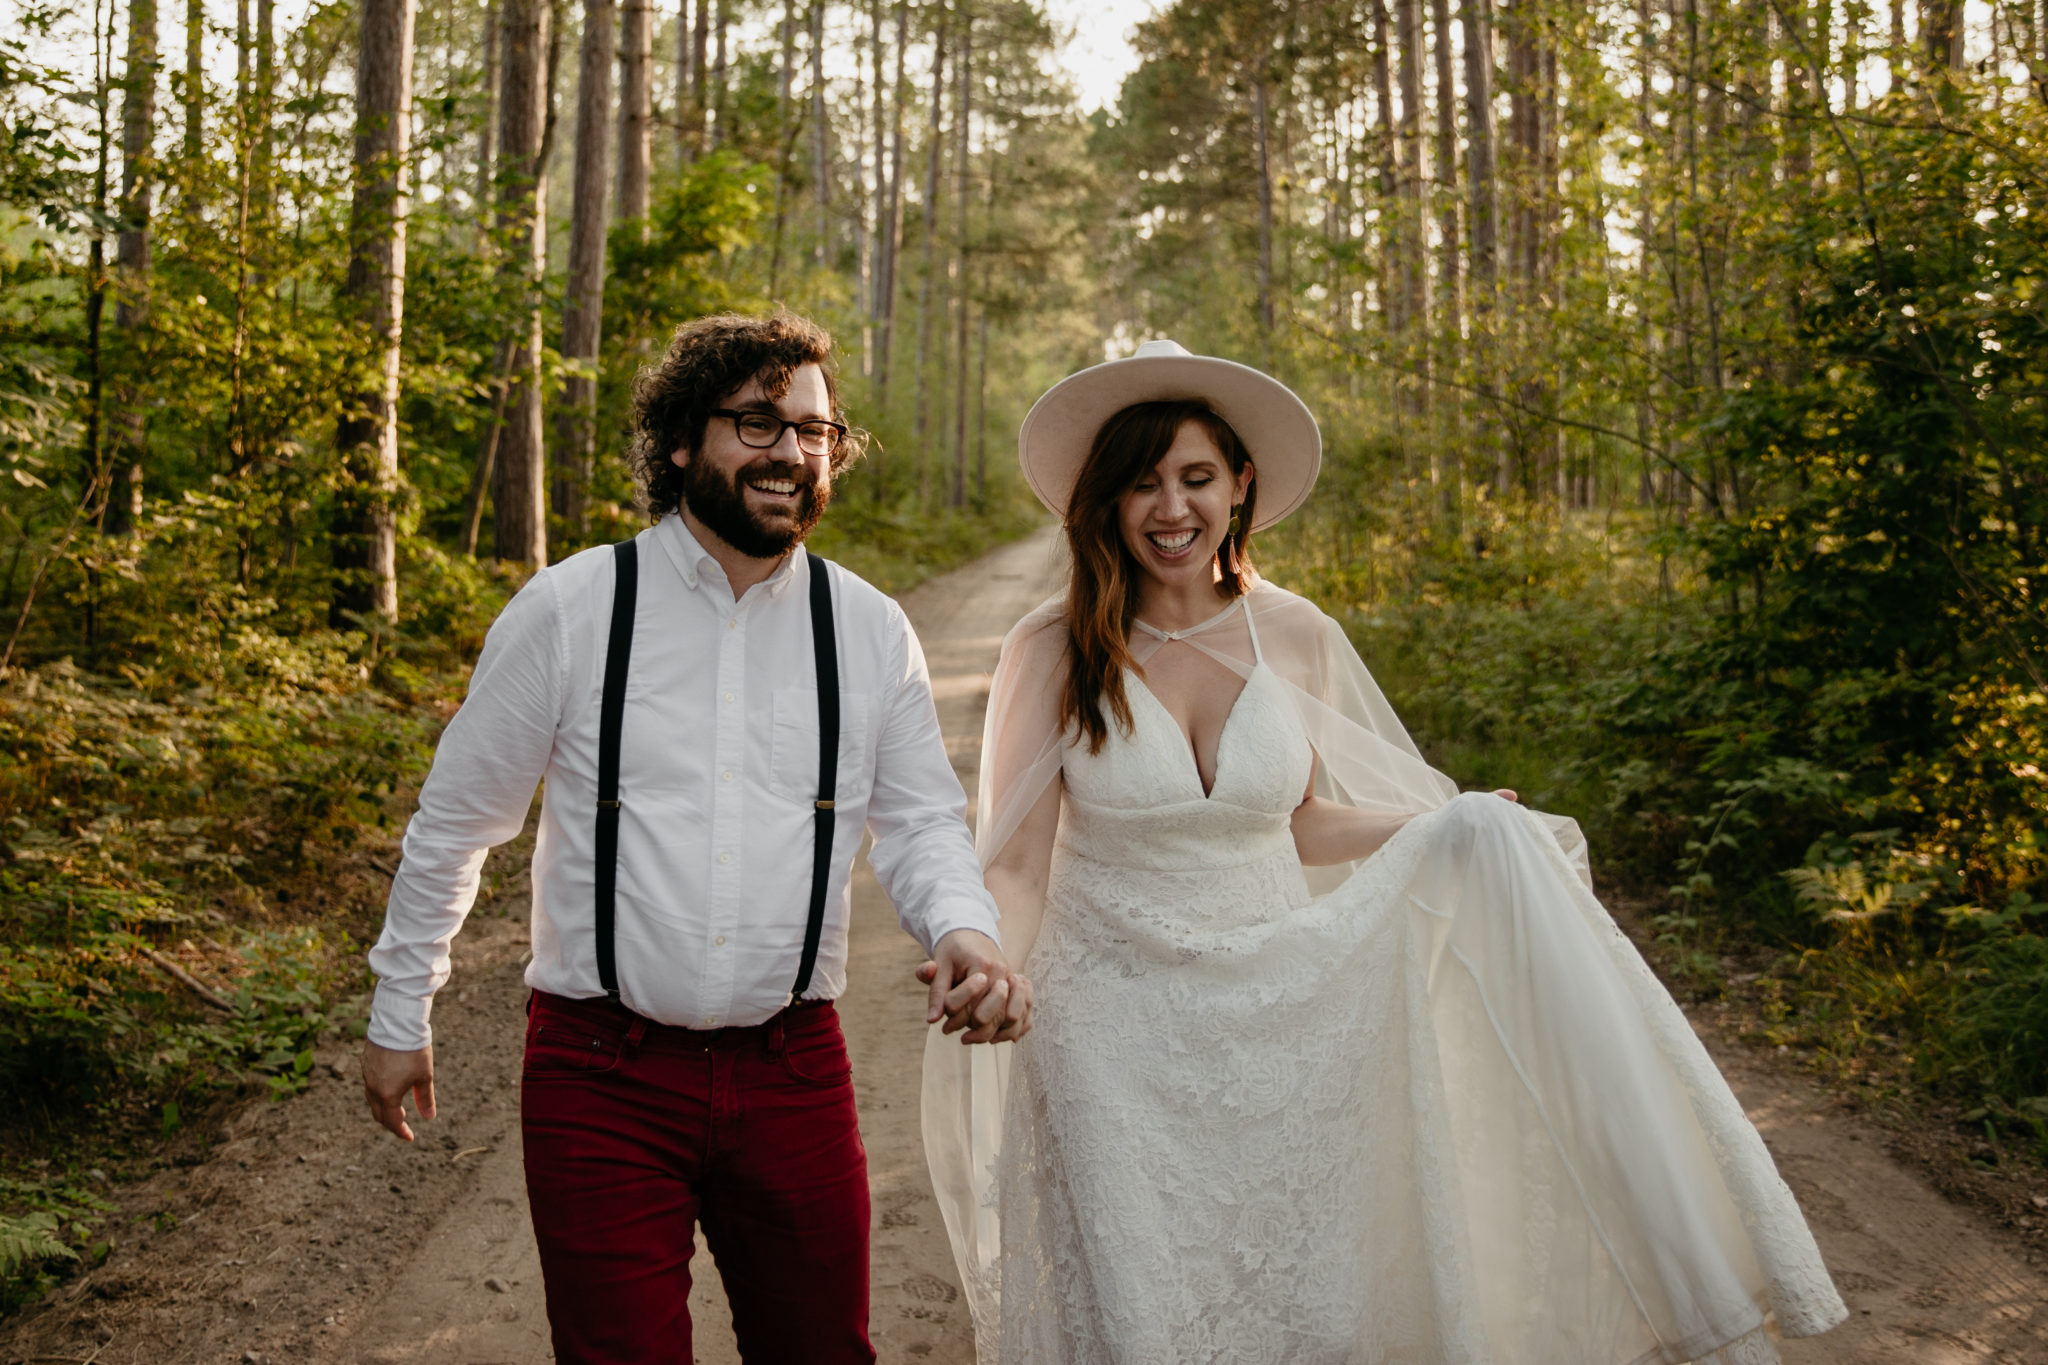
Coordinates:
(1863, 895)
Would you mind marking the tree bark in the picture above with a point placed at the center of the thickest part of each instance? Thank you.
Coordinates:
(821, 137)
(1483, 216)
(1941, 29)
(693, 61)
(963, 300)
(1413, 233)
(891, 232)
(1393, 296)
(1263, 168)
(718, 69)
(583, 308)
(138, 162)
(934, 151)
(1444, 176)
(194, 92)
(131, 245)
(519, 507)
(365, 540)
(636, 109)
(263, 153)
(486, 169)
(1482, 220)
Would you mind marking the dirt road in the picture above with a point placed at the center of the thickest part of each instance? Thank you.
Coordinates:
(309, 1236)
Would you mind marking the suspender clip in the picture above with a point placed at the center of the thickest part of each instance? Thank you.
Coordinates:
(825, 805)
(607, 805)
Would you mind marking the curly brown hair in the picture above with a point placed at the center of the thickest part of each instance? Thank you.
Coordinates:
(708, 360)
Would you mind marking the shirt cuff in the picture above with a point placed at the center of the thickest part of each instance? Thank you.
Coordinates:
(399, 1021)
(962, 914)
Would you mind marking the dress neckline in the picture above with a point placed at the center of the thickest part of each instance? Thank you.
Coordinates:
(1187, 745)
(1215, 620)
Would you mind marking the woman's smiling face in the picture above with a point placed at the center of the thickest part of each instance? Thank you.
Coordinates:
(1175, 518)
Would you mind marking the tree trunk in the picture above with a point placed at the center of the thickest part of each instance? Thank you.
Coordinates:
(1941, 29)
(194, 92)
(891, 232)
(1414, 267)
(138, 163)
(1522, 137)
(1444, 175)
(694, 39)
(486, 169)
(963, 299)
(1263, 168)
(636, 109)
(263, 154)
(1482, 216)
(583, 308)
(1393, 296)
(519, 507)
(934, 151)
(718, 70)
(365, 539)
(131, 245)
(821, 137)
(876, 205)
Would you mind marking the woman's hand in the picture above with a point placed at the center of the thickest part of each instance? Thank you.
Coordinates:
(1507, 794)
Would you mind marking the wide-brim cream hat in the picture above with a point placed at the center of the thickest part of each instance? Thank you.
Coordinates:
(1276, 427)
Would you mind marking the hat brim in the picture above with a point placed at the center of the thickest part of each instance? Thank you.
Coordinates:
(1277, 429)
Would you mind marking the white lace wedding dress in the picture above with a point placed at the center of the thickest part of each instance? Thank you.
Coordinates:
(1443, 1114)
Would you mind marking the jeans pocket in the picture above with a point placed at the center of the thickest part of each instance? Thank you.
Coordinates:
(570, 1049)
(818, 1060)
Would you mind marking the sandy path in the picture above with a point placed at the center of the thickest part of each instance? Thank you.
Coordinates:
(309, 1236)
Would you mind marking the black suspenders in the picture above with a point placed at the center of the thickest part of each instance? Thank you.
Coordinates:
(611, 721)
(825, 647)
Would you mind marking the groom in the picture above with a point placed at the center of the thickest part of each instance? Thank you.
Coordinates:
(681, 694)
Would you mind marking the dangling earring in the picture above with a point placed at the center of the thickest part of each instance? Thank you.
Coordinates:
(1230, 539)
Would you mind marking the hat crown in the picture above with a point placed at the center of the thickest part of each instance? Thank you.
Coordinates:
(1163, 346)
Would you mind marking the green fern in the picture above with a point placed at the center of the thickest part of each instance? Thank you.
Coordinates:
(28, 1242)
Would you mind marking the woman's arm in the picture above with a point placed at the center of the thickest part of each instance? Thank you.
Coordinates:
(1018, 875)
(1328, 832)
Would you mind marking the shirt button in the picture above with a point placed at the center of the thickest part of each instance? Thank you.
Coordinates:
(725, 776)
(728, 696)
(725, 857)
(733, 624)
(710, 1021)
(720, 940)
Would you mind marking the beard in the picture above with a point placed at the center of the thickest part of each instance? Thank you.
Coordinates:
(721, 504)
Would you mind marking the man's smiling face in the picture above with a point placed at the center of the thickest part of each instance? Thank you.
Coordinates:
(760, 502)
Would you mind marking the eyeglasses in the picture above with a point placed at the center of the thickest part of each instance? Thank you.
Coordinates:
(763, 430)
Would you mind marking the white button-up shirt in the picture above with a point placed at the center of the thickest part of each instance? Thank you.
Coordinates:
(718, 775)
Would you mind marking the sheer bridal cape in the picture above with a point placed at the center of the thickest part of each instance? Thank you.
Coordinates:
(1432, 1107)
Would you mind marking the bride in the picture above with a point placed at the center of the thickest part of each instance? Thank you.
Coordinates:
(1330, 1063)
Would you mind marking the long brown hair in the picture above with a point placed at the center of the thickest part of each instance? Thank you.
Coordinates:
(1102, 594)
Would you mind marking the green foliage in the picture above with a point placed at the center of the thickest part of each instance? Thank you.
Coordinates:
(46, 1226)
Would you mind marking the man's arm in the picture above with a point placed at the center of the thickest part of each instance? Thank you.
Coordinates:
(486, 766)
(924, 859)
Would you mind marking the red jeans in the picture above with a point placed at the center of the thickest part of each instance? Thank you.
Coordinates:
(636, 1131)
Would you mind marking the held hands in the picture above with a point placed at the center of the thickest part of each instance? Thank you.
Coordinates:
(388, 1075)
(974, 990)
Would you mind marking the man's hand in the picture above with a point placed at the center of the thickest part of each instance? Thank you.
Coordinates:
(974, 990)
(1507, 794)
(387, 1076)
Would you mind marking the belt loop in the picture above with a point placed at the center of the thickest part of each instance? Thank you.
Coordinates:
(775, 1032)
(634, 1034)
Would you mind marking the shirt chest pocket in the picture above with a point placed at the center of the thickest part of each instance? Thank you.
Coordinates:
(793, 763)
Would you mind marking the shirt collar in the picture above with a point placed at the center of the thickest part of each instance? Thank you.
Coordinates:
(696, 563)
